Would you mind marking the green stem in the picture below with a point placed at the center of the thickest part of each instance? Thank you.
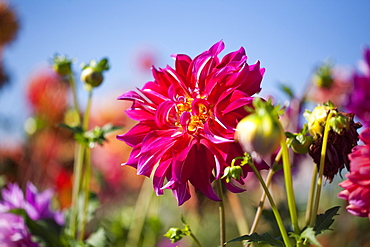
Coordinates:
(289, 186)
(321, 170)
(275, 210)
(140, 213)
(311, 195)
(196, 241)
(238, 213)
(263, 196)
(75, 100)
(222, 214)
(88, 108)
(86, 187)
(77, 171)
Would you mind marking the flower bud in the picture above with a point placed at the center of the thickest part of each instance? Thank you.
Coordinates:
(235, 172)
(323, 77)
(92, 77)
(62, 65)
(92, 74)
(261, 131)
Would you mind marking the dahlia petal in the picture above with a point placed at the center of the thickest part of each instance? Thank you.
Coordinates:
(131, 95)
(232, 187)
(217, 48)
(352, 209)
(139, 114)
(214, 134)
(238, 100)
(182, 65)
(238, 55)
(201, 179)
(137, 133)
(165, 115)
(182, 193)
(183, 165)
(158, 138)
(160, 175)
(365, 136)
(134, 156)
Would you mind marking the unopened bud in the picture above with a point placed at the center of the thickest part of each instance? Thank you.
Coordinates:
(261, 131)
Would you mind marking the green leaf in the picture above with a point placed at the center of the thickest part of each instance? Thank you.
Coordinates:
(98, 238)
(324, 221)
(310, 235)
(265, 238)
(75, 129)
(286, 89)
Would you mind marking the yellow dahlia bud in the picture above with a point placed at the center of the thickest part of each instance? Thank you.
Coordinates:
(316, 119)
(260, 131)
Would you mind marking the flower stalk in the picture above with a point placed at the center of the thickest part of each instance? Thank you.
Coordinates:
(274, 208)
(263, 196)
(289, 186)
(221, 214)
(321, 170)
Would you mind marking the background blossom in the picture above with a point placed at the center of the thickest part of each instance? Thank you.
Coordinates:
(357, 186)
(359, 99)
(37, 204)
(13, 232)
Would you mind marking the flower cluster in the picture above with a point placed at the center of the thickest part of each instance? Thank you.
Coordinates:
(187, 119)
(13, 231)
(357, 187)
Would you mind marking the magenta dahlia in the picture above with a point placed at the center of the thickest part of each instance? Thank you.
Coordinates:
(359, 98)
(187, 119)
(357, 187)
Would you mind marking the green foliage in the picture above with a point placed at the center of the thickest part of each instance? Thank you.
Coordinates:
(264, 238)
(98, 239)
(287, 90)
(309, 236)
(324, 221)
(92, 137)
(300, 142)
(176, 234)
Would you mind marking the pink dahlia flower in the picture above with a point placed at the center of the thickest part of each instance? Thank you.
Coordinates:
(357, 187)
(187, 119)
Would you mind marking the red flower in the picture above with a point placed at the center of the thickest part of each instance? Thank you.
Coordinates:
(357, 187)
(187, 119)
(47, 94)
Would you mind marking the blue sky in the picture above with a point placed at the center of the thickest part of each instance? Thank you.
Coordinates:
(289, 38)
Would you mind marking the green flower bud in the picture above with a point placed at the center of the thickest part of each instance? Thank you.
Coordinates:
(92, 77)
(62, 65)
(261, 131)
(174, 234)
(323, 77)
(92, 74)
(235, 172)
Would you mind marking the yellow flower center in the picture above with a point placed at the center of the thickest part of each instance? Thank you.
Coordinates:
(199, 113)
